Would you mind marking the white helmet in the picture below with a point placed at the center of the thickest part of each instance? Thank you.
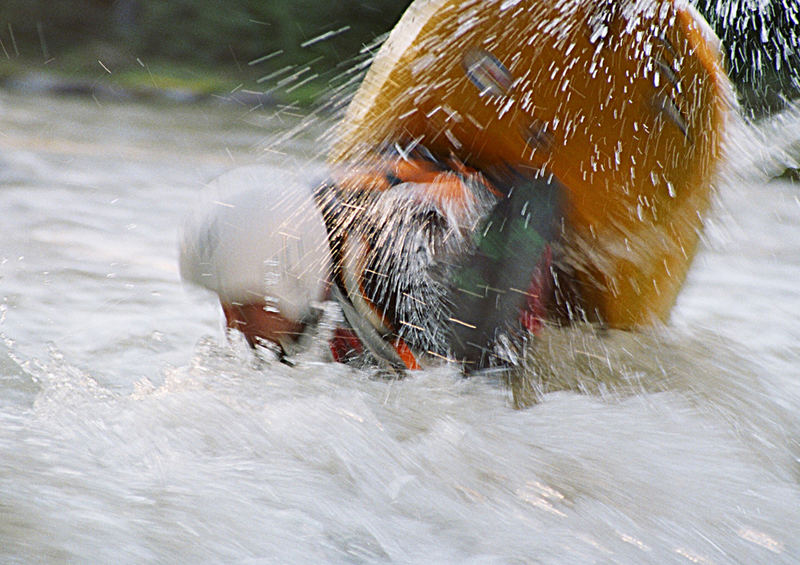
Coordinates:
(257, 241)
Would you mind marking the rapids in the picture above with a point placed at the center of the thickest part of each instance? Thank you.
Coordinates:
(133, 430)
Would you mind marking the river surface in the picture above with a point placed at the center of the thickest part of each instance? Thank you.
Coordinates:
(133, 431)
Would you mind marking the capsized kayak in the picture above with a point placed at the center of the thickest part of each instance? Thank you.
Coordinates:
(624, 103)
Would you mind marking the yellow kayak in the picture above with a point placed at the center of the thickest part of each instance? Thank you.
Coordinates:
(624, 103)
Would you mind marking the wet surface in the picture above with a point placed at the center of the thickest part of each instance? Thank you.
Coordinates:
(131, 430)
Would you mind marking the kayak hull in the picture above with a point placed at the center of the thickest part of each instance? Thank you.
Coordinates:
(624, 103)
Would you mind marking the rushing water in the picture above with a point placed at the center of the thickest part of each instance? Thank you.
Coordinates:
(132, 430)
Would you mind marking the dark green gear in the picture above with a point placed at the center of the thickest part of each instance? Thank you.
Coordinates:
(489, 286)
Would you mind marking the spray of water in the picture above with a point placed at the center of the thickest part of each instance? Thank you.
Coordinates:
(762, 42)
(759, 44)
(670, 446)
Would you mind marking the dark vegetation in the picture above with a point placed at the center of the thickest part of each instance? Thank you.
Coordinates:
(201, 46)
(763, 48)
(275, 46)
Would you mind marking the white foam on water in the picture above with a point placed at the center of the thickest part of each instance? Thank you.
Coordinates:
(227, 459)
(127, 436)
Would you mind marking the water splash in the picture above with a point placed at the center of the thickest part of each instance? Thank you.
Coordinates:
(762, 42)
(661, 447)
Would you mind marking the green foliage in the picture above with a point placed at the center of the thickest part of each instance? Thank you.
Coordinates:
(147, 41)
(206, 31)
(235, 37)
(41, 27)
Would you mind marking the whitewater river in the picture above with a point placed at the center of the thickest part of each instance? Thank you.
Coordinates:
(133, 431)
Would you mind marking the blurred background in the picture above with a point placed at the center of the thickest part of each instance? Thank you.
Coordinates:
(199, 48)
